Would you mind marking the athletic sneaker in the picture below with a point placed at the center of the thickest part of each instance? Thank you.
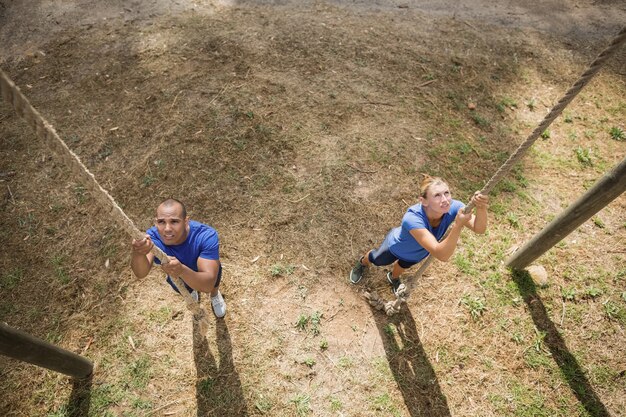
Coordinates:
(195, 295)
(357, 272)
(219, 306)
(395, 283)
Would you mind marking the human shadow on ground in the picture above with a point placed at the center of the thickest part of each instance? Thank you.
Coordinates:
(410, 366)
(218, 387)
(568, 364)
(80, 397)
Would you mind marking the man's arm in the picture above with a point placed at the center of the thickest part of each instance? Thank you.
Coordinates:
(203, 280)
(140, 257)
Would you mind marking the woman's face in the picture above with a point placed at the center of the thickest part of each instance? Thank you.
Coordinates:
(438, 198)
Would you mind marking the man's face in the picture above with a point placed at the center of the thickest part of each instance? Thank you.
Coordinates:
(171, 225)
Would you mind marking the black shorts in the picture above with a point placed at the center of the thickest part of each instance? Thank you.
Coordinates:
(383, 256)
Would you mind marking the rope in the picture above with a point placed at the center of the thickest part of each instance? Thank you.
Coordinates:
(44, 130)
(393, 307)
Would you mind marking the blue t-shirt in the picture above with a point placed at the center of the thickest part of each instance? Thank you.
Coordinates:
(404, 246)
(202, 242)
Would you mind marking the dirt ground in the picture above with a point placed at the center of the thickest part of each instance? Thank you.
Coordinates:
(298, 130)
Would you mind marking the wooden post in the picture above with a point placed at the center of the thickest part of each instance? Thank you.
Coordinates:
(19, 345)
(602, 193)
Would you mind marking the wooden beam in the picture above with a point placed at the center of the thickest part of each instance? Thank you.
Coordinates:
(19, 345)
(601, 194)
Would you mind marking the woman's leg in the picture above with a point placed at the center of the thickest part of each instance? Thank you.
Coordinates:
(396, 271)
(356, 273)
(365, 260)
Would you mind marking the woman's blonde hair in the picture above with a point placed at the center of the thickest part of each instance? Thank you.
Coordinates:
(427, 182)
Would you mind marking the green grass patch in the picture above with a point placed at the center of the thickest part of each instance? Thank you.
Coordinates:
(345, 362)
(302, 322)
(382, 372)
(11, 279)
(527, 402)
(617, 133)
(481, 121)
(390, 329)
(335, 404)
(603, 374)
(592, 292)
(506, 102)
(583, 155)
(205, 386)
(263, 404)
(103, 397)
(309, 362)
(139, 372)
(316, 322)
(60, 272)
(474, 305)
(160, 316)
(141, 404)
(614, 312)
(310, 323)
(598, 222)
(463, 262)
(384, 403)
(281, 270)
(302, 404)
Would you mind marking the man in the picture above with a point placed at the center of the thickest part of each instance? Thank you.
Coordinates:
(192, 248)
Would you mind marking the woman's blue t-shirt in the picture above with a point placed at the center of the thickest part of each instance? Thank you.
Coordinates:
(404, 246)
(202, 242)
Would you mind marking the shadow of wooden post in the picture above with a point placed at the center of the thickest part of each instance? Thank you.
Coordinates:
(410, 366)
(218, 387)
(80, 398)
(568, 364)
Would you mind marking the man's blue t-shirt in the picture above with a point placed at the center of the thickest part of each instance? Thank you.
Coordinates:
(404, 246)
(202, 242)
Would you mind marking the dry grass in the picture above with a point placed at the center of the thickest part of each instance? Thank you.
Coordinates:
(299, 134)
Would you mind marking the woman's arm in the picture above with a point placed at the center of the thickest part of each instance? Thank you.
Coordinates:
(478, 222)
(442, 250)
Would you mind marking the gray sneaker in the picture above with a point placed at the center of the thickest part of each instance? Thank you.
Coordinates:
(219, 305)
(357, 272)
(395, 283)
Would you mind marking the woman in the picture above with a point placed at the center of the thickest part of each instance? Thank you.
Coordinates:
(422, 226)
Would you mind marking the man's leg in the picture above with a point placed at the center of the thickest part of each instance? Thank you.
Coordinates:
(217, 301)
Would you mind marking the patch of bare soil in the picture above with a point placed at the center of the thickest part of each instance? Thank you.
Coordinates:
(298, 132)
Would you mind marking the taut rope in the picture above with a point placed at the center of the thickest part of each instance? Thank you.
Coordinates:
(393, 307)
(12, 95)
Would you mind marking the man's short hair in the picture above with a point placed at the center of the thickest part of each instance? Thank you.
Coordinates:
(169, 202)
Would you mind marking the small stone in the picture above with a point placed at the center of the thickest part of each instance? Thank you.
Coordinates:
(539, 275)
(471, 106)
